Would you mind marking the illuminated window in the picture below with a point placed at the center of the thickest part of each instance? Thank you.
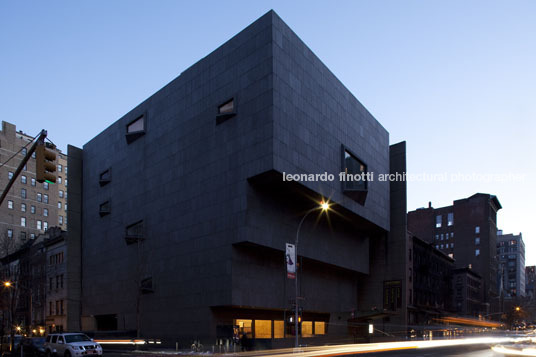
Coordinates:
(38, 225)
(135, 129)
(279, 329)
(307, 329)
(477, 229)
(477, 241)
(45, 212)
(320, 328)
(450, 219)
(10, 233)
(477, 252)
(23, 221)
(438, 220)
(60, 220)
(263, 328)
(244, 327)
(10, 204)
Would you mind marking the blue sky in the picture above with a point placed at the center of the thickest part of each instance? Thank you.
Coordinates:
(455, 79)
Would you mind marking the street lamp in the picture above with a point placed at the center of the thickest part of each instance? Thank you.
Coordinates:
(323, 207)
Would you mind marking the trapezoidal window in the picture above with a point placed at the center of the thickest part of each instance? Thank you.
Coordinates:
(105, 208)
(354, 181)
(135, 129)
(134, 233)
(105, 177)
(226, 111)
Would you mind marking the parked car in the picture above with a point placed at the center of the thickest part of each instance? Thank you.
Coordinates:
(71, 344)
(6, 343)
(32, 346)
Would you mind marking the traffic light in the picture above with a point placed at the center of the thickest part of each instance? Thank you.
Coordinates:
(45, 164)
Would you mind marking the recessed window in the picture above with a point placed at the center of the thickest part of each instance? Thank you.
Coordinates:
(45, 185)
(135, 129)
(146, 285)
(24, 151)
(10, 204)
(477, 252)
(226, 111)
(60, 193)
(10, 233)
(59, 167)
(438, 221)
(442, 236)
(23, 193)
(450, 219)
(105, 177)
(134, 232)
(59, 179)
(45, 212)
(45, 225)
(39, 197)
(60, 220)
(23, 179)
(59, 204)
(33, 181)
(477, 229)
(23, 221)
(32, 209)
(45, 198)
(10, 175)
(354, 177)
(23, 207)
(105, 208)
(39, 224)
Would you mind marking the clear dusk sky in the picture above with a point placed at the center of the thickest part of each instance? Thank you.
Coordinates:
(455, 79)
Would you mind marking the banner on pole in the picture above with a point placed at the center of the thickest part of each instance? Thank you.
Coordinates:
(290, 257)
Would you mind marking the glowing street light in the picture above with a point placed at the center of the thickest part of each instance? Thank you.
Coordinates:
(8, 284)
(324, 207)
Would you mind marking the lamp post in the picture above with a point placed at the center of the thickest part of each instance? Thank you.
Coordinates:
(324, 207)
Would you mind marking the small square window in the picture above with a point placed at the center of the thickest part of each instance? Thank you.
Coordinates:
(105, 177)
(226, 111)
(135, 129)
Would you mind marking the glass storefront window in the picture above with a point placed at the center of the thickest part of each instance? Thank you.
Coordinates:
(279, 329)
(320, 328)
(263, 328)
(245, 327)
(307, 329)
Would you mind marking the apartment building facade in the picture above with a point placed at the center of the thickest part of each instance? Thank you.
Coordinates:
(511, 258)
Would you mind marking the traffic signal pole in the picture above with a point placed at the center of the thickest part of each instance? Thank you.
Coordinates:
(40, 141)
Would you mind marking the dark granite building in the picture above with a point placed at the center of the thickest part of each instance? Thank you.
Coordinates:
(185, 205)
(467, 232)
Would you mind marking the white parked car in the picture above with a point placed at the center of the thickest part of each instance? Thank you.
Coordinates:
(70, 345)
